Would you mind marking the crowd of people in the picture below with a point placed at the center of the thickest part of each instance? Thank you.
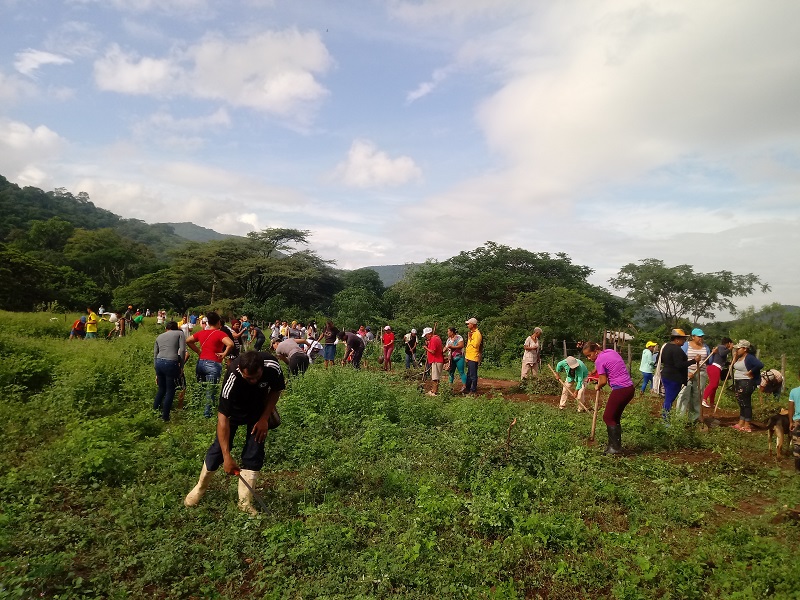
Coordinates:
(686, 370)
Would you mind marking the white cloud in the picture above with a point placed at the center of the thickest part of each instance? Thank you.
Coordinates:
(29, 61)
(14, 88)
(23, 149)
(367, 167)
(426, 87)
(273, 72)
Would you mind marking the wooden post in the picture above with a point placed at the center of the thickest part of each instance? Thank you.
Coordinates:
(758, 353)
(594, 416)
(629, 356)
(783, 372)
(565, 348)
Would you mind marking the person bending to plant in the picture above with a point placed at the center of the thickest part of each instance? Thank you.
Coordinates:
(250, 392)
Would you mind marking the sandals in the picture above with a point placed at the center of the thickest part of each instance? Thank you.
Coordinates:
(743, 429)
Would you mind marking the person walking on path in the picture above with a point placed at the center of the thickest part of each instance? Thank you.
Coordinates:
(435, 358)
(576, 373)
(746, 375)
(455, 344)
(329, 335)
(716, 365)
(690, 396)
(289, 351)
(532, 356)
(388, 347)
(250, 393)
(611, 370)
(647, 366)
(169, 352)
(472, 354)
(215, 345)
(354, 348)
(410, 346)
(673, 368)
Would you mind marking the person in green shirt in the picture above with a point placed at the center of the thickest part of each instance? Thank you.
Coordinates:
(647, 366)
(576, 373)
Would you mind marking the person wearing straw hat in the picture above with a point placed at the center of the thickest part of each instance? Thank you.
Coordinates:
(647, 366)
(746, 375)
(576, 374)
(673, 368)
(690, 396)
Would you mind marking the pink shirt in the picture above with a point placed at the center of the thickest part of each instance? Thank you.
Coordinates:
(610, 364)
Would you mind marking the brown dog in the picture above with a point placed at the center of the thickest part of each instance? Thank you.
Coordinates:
(778, 425)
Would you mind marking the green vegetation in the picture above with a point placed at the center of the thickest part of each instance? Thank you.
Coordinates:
(374, 489)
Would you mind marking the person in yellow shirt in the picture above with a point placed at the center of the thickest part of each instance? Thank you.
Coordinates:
(472, 355)
(91, 323)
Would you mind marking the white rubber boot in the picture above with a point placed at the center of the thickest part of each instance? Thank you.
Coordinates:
(245, 495)
(193, 497)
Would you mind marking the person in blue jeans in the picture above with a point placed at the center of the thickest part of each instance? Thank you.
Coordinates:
(647, 366)
(215, 345)
(169, 353)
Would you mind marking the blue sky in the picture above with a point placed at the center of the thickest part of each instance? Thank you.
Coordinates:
(396, 131)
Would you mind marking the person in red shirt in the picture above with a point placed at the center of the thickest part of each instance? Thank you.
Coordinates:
(433, 346)
(215, 345)
(388, 348)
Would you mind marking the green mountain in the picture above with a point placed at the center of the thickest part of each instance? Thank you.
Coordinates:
(391, 274)
(196, 233)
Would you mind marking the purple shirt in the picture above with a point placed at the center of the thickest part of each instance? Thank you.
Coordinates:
(610, 364)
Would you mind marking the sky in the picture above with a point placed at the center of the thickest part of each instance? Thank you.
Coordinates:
(398, 131)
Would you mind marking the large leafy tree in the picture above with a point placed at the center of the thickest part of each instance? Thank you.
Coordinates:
(109, 259)
(679, 292)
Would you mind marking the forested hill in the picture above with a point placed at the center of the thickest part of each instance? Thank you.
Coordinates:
(21, 207)
(196, 233)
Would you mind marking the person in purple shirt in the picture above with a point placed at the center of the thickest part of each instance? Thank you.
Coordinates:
(611, 370)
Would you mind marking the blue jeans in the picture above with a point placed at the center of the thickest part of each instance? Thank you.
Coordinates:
(208, 373)
(252, 453)
(410, 359)
(472, 376)
(167, 371)
(646, 378)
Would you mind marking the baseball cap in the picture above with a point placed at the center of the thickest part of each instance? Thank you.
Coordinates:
(677, 333)
(413, 331)
(650, 344)
(426, 331)
(387, 328)
(742, 344)
(572, 362)
(698, 331)
(472, 321)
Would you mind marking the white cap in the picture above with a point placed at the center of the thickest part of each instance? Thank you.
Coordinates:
(426, 331)
(472, 321)
(413, 331)
(387, 328)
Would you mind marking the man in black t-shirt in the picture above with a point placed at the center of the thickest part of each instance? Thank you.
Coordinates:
(250, 391)
(354, 350)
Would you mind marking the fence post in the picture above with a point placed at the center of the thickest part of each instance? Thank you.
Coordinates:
(565, 348)
(629, 356)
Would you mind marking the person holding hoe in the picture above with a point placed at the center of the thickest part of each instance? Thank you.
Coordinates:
(611, 370)
(250, 392)
(674, 368)
(576, 374)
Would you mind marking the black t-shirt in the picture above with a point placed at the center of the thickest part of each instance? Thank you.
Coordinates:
(257, 333)
(243, 402)
(675, 364)
(235, 352)
(411, 343)
(354, 342)
(330, 335)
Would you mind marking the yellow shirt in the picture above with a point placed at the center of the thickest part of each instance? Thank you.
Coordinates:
(473, 345)
(91, 323)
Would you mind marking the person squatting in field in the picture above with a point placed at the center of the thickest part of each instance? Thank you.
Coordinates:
(576, 374)
(250, 392)
(611, 370)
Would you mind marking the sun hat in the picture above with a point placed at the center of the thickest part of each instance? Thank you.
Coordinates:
(698, 331)
(650, 344)
(426, 331)
(742, 344)
(472, 321)
(572, 362)
(677, 333)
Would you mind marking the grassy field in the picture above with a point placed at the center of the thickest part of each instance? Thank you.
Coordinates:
(374, 490)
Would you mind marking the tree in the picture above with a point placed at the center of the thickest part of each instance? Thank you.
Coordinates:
(109, 259)
(278, 239)
(355, 306)
(51, 234)
(364, 278)
(677, 292)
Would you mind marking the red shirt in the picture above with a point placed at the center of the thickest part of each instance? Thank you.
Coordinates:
(435, 350)
(388, 338)
(211, 343)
